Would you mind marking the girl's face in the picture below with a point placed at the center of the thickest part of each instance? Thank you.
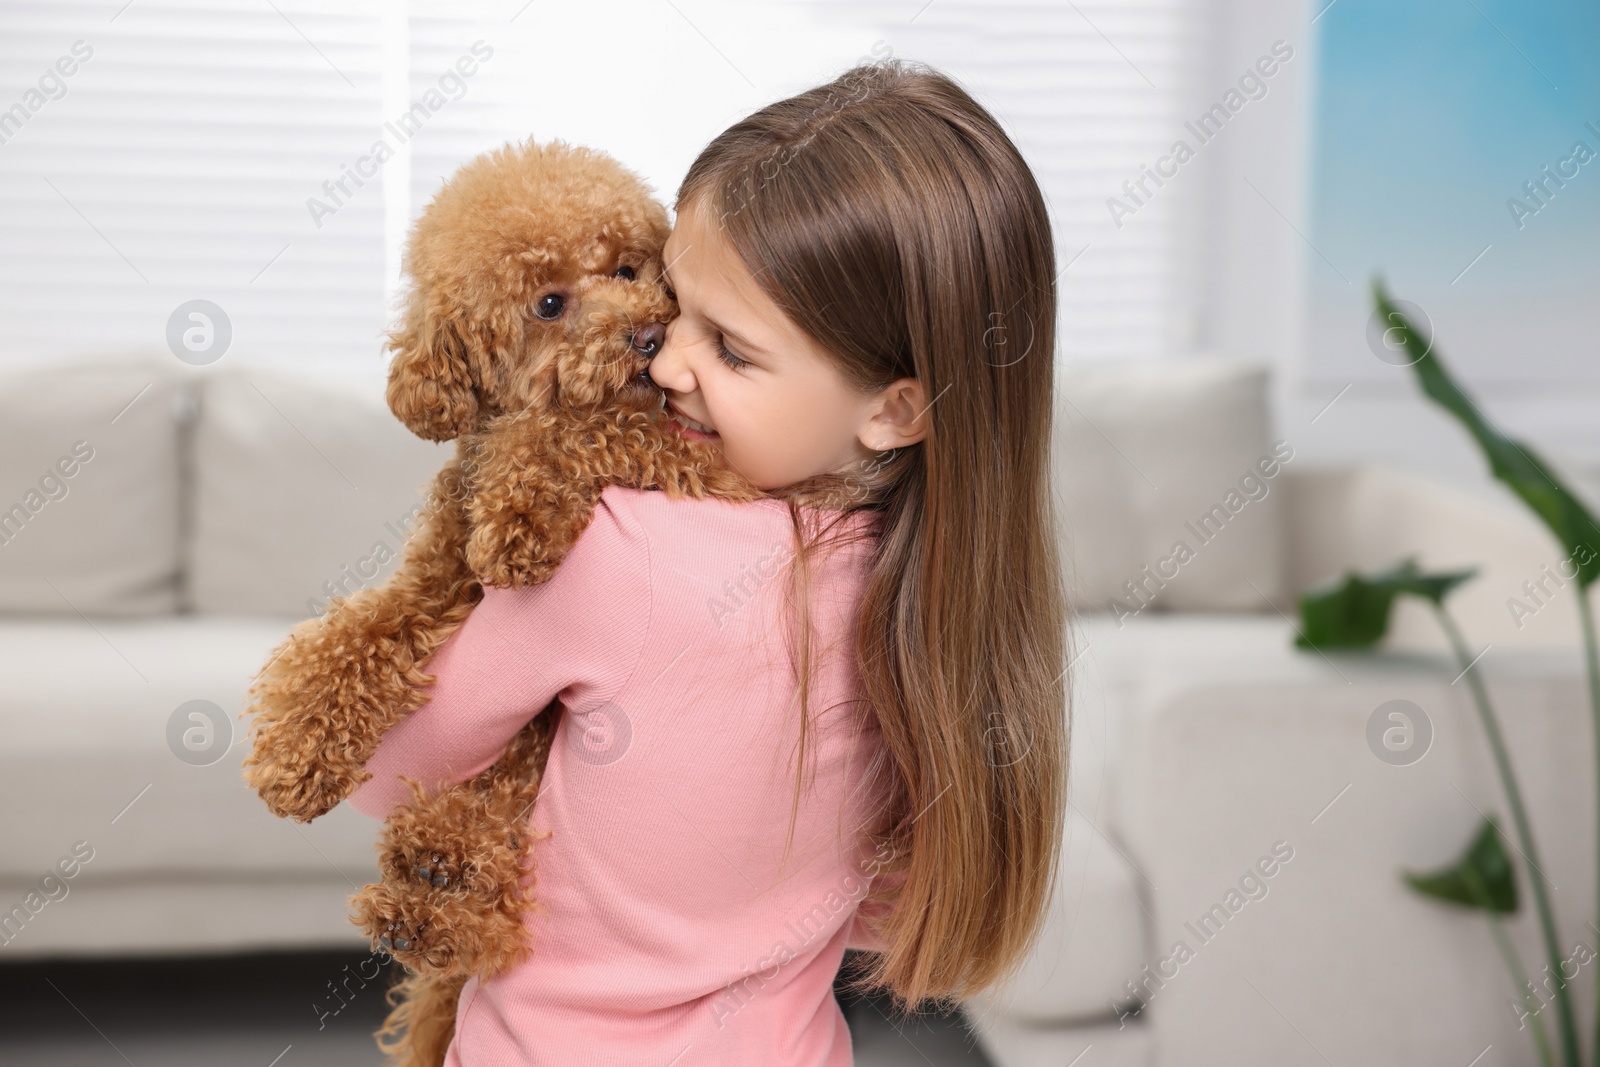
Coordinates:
(774, 402)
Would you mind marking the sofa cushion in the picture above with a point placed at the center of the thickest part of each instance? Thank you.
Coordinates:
(89, 487)
(1164, 476)
(87, 721)
(1370, 516)
(306, 487)
(1093, 938)
(180, 913)
(1096, 938)
(1240, 748)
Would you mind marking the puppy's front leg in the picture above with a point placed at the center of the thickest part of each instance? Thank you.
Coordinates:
(340, 681)
(537, 477)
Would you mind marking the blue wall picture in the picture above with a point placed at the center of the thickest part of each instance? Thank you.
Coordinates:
(1455, 150)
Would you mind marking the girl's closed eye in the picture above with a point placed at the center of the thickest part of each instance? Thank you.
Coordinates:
(728, 357)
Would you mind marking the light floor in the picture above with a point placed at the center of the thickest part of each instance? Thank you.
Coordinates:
(268, 1011)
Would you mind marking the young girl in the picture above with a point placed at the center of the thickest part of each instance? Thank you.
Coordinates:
(865, 279)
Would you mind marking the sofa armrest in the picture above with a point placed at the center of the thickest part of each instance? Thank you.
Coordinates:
(1275, 837)
(1370, 515)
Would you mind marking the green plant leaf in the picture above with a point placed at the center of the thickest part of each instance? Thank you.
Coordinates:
(1513, 462)
(1353, 612)
(1481, 878)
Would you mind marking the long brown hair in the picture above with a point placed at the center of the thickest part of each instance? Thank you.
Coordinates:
(892, 219)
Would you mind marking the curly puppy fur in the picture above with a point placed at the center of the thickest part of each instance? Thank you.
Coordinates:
(511, 229)
(535, 305)
(465, 845)
(422, 1021)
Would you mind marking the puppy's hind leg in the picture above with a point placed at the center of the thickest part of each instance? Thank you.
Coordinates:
(452, 899)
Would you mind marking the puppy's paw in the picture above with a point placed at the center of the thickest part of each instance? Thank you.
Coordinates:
(439, 872)
(511, 553)
(402, 923)
(400, 936)
(302, 801)
(293, 782)
(434, 925)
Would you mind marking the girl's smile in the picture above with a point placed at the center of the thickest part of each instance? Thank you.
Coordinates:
(691, 428)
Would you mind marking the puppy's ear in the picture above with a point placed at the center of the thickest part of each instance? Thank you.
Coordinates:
(430, 385)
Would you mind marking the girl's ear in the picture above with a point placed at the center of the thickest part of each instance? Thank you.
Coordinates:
(430, 384)
(898, 419)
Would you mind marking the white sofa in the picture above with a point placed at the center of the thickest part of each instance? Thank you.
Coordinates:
(1202, 740)
(218, 505)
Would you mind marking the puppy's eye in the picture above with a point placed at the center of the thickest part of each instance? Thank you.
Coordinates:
(668, 290)
(550, 306)
(625, 272)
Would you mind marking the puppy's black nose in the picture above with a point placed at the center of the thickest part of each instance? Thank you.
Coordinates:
(647, 339)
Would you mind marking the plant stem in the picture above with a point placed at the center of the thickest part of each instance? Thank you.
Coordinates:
(1565, 1025)
(1508, 953)
(1592, 658)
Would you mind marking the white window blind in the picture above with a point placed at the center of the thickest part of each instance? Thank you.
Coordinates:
(207, 149)
(1090, 91)
(176, 163)
(649, 81)
(210, 150)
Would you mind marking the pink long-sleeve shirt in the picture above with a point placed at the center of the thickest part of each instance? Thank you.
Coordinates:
(666, 933)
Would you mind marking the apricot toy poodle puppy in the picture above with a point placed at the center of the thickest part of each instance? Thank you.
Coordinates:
(535, 305)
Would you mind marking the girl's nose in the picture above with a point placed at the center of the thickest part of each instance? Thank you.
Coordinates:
(667, 370)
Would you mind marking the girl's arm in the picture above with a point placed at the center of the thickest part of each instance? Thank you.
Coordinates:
(576, 636)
